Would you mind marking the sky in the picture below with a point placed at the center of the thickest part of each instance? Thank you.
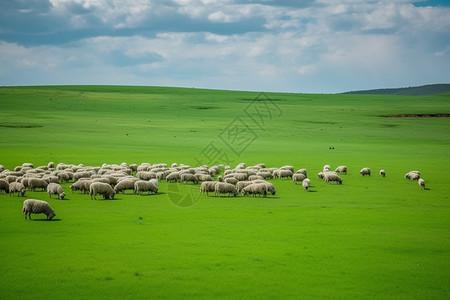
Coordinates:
(303, 46)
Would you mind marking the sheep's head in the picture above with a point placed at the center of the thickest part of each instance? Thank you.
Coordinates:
(22, 192)
(62, 195)
(51, 215)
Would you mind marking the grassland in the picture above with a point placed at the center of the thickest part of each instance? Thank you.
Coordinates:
(368, 238)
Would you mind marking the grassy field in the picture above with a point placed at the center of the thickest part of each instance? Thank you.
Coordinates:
(370, 237)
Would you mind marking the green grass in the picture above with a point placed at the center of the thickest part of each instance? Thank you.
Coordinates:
(371, 237)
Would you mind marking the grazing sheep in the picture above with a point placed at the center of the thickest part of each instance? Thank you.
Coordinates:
(16, 187)
(2, 168)
(305, 184)
(100, 179)
(51, 165)
(329, 177)
(242, 184)
(255, 177)
(174, 176)
(143, 175)
(365, 171)
(188, 177)
(50, 179)
(231, 180)
(77, 186)
(307, 180)
(321, 175)
(35, 183)
(203, 177)
(102, 188)
(125, 184)
(78, 175)
(264, 174)
(382, 173)
(255, 189)
(412, 175)
(290, 168)
(421, 183)
(283, 173)
(341, 169)
(302, 171)
(4, 186)
(28, 165)
(298, 177)
(240, 176)
(326, 168)
(11, 178)
(33, 206)
(55, 189)
(224, 188)
(207, 186)
(63, 176)
(141, 186)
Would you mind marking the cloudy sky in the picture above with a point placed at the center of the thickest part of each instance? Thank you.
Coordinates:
(323, 46)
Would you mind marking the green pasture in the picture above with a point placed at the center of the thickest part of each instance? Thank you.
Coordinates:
(371, 237)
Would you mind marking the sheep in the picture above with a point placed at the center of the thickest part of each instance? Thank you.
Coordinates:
(35, 183)
(144, 175)
(33, 206)
(328, 176)
(16, 187)
(305, 184)
(421, 183)
(412, 175)
(290, 168)
(382, 173)
(141, 186)
(28, 165)
(207, 186)
(2, 168)
(242, 184)
(77, 186)
(298, 177)
(78, 175)
(231, 180)
(203, 177)
(188, 177)
(326, 168)
(11, 178)
(102, 188)
(307, 180)
(255, 177)
(224, 188)
(341, 169)
(269, 185)
(50, 179)
(264, 174)
(100, 179)
(255, 189)
(4, 186)
(283, 173)
(55, 189)
(365, 171)
(51, 165)
(174, 176)
(240, 176)
(63, 176)
(126, 184)
(302, 171)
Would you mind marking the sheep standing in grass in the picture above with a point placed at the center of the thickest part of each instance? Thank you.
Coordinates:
(33, 206)
(298, 177)
(141, 186)
(224, 188)
(16, 187)
(326, 168)
(329, 177)
(365, 171)
(284, 173)
(421, 183)
(302, 171)
(102, 188)
(341, 169)
(174, 176)
(4, 186)
(207, 186)
(125, 184)
(231, 180)
(55, 189)
(305, 184)
(412, 175)
(185, 177)
(35, 183)
(382, 173)
(255, 189)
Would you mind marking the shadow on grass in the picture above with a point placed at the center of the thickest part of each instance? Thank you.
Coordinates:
(52, 220)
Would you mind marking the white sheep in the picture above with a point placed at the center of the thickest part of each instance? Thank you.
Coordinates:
(341, 169)
(224, 188)
(412, 175)
(326, 168)
(255, 177)
(207, 186)
(290, 168)
(174, 176)
(35, 183)
(55, 189)
(269, 185)
(421, 183)
(298, 177)
(125, 184)
(255, 189)
(264, 174)
(302, 171)
(141, 186)
(102, 188)
(329, 177)
(305, 184)
(33, 206)
(4, 186)
(203, 177)
(143, 175)
(231, 180)
(365, 171)
(188, 177)
(382, 173)
(283, 173)
(16, 187)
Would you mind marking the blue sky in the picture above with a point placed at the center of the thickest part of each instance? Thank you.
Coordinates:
(320, 46)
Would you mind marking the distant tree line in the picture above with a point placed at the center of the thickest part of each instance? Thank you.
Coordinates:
(429, 89)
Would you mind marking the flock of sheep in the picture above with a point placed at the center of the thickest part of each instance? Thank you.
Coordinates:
(108, 180)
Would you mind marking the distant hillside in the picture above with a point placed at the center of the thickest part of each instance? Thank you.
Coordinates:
(430, 89)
